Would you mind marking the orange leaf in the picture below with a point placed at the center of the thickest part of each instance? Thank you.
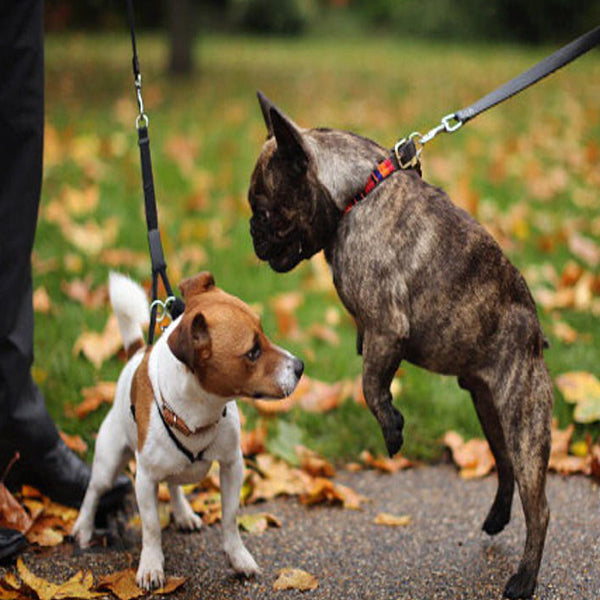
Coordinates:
(473, 457)
(74, 442)
(386, 464)
(81, 291)
(41, 301)
(121, 584)
(12, 514)
(97, 347)
(94, 396)
(285, 306)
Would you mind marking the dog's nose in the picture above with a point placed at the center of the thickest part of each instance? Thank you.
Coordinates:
(298, 367)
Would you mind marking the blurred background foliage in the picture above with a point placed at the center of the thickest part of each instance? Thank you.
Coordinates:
(530, 22)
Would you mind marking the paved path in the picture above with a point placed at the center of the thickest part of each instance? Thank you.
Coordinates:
(442, 555)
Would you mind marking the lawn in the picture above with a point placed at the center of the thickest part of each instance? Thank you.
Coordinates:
(529, 170)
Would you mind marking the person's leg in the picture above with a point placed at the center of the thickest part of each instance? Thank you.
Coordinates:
(25, 424)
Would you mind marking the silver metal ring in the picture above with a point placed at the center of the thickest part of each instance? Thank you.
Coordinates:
(141, 117)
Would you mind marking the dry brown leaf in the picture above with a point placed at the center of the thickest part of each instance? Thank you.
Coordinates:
(560, 459)
(474, 457)
(324, 333)
(121, 584)
(273, 407)
(81, 291)
(313, 464)
(12, 514)
(275, 478)
(257, 523)
(321, 397)
(320, 490)
(295, 579)
(98, 347)
(123, 258)
(253, 441)
(94, 396)
(584, 249)
(172, 584)
(44, 536)
(74, 442)
(207, 504)
(385, 463)
(564, 332)
(10, 594)
(41, 301)
(392, 520)
(285, 307)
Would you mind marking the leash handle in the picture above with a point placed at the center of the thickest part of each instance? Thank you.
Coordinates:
(454, 121)
(175, 306)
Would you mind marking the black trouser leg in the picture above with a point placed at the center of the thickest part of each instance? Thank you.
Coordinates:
(24, 420)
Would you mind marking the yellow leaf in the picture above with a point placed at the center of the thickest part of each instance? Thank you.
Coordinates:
(257, 523)
(392, 520)
(98, 347)
(295, 579)
(121, 584)
(583, 389)
(45, 590)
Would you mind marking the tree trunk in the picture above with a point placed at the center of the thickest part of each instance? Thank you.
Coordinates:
(180, 33)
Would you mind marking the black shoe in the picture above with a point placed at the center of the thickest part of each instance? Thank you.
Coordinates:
(11, 542)
(64, 477)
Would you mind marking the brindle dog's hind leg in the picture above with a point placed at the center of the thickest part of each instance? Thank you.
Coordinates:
(499, 514)
(526, 426)
(382, 353)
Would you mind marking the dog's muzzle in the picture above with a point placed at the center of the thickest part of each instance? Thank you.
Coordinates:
(281, 247)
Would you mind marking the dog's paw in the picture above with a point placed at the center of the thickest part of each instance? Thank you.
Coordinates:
(392, 431)
(520, 585)
(496, 520)
(188, 520)
(82, 532)
(242, 562)
(150, 574)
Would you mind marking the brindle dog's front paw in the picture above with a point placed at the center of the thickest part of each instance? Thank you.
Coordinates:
(392, 430)
(520, 585)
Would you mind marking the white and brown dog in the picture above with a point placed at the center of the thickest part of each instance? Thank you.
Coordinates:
(175, 411)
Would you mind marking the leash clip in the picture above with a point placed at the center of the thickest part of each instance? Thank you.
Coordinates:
(406, 151)
(162, 308)
(142, 117)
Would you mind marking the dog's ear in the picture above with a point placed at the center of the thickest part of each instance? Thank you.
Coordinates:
(289, 138)
(190, 341)
(197, 284)
(265, 106)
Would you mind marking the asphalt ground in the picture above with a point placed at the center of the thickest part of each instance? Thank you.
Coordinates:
(441, 555)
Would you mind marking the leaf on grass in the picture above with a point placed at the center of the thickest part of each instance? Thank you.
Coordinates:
(74, 442)
(295, 579)
(322, 397)
(392, 520)
(41, 301)
(324, 333)
(94, 396)
(474, 457)
(12, 514)
(385, 463)
(98, 347)
(285, 306)
(584, 249)
(564, 332)
(583, 390)
(257, 523)
(81, 291)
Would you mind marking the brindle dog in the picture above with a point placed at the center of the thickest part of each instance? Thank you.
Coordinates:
(425, 283)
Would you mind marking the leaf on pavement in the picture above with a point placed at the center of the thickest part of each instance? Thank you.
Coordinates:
(295, 579)
(257, 523)
(392, 520)
(320, 490)
(12, 514)
(121, 584)
(473, 457)
(560, 459)
(98, 347)
(385, 463)
(94, 396)
(313, 464)
(583, 390)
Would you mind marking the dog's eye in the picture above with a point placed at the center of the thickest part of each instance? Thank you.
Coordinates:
(254, 353)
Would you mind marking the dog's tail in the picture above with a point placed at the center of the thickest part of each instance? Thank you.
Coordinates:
(130, 304)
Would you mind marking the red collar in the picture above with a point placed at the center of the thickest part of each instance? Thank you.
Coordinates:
(404, 156)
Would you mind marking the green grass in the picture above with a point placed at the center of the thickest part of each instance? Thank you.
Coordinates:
(378, 87)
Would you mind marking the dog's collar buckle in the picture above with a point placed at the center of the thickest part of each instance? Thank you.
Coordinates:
(405, 156)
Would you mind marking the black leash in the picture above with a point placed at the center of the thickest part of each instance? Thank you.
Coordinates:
(175, 306)
(408, 150)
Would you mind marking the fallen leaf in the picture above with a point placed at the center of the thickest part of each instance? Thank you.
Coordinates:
(81, 291)
(392, 520)
(94, 396)
(74, 442)
(97, 347)
(322, 397)
(585, 249)
(123, 258)
(285, 307)
(41, 301)
(172, 584)
(564, 332)
(560, 459)
(257, 523)
(12, 514)
(583, 390)
(385, 463)
(474, 457)
(324, 333)
(121, 584)
(295, 579)
(253, 441)
(320, 490)
(44, 536)
(313, 464)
